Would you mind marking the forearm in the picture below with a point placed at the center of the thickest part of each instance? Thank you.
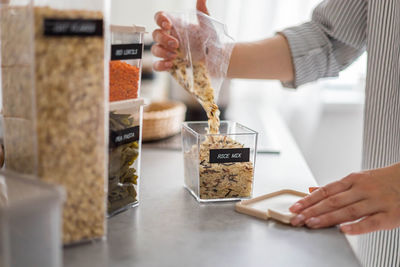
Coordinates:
(265, 59)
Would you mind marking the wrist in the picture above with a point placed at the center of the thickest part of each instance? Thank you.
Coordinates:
(397, 169)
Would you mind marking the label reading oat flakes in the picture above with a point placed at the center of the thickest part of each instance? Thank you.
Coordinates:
(126, 51)
(73, 27)
(229, 155)
(125, 136)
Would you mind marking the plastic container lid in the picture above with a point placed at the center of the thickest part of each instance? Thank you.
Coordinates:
(274, 205)
(127, 29)
(126, 104)
(30, 222)
(18, 193)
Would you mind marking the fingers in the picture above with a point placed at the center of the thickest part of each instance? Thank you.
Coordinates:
(202, 6)
(329, 204)
(159, 51)
(369, 224)
(163, 21)
(332, 203)
(162, 65)
(320, 194)
(166, 40)
(166, 45)
(347, 214)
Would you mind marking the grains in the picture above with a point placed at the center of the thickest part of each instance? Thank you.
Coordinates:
(216, 180)
(70, 114)
(18, 81)
(124, 81)
(20, 145)
(16, 36)
(200, 88)
(16, 32)
(223, 180)
(70, 123)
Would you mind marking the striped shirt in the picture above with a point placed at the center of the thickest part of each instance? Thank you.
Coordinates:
(339, 32)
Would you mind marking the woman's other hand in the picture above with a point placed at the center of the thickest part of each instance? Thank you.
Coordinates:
(369, 200)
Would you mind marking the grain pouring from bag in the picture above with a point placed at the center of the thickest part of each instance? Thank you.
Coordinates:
(200, 66)
(202, 59)
(201, 88)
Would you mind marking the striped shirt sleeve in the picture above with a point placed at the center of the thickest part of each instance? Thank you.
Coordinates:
(331, 41)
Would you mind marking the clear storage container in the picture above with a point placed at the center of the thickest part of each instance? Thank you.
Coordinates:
(17, 78)
(124, 154)
(126, 62)
(219, 167)
(55, 71)
(30, 222)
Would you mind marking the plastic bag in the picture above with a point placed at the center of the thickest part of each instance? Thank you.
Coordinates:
(203, 58)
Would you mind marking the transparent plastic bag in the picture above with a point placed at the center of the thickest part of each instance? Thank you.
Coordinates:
(203, 58)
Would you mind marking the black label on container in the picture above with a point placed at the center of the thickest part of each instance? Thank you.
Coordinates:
(125, 136)
(73, 27)
(229, 155)
(126, 51)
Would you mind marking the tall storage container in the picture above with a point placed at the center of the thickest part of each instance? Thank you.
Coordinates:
(17, 73)
(126, 62)
(124, 155)
(57, 51)
(125, 119)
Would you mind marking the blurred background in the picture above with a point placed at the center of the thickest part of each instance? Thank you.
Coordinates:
(324, 117)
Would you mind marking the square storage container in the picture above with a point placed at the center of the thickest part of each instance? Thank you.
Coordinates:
(124, 154)
(219, 167)
(30, 222)
(55, 82)
(126, 62)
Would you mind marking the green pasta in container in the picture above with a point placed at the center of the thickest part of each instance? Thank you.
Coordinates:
(124, 155)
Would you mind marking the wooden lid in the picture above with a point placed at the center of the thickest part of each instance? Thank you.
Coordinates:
(274, 205)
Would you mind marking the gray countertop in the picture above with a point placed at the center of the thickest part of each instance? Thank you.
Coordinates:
(169, 228)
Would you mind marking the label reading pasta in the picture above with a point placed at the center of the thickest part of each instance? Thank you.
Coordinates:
(73, 27)
(125, 136)
(229, 155)
(126, 51)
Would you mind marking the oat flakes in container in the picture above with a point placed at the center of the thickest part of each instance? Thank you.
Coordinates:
(61, 75)
(17, 86)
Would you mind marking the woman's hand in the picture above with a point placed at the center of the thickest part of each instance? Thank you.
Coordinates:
(372, 196)
(166, 44)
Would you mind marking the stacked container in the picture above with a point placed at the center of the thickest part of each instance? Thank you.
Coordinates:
(55, 86)
(125, 117)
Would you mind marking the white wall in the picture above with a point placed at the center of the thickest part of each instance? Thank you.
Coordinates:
(331, 140)
(127, 12)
